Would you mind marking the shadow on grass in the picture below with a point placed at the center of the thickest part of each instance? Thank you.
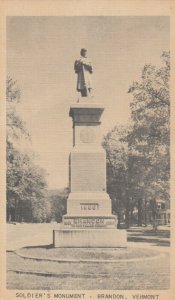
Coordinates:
(50, 246)
(156, 242)
(145, 235)
(159, 233)
(149, 232)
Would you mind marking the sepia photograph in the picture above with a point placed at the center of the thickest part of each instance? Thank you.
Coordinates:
(88, 203)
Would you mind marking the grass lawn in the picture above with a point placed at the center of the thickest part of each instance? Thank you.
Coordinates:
(153, 274)
(143, 273)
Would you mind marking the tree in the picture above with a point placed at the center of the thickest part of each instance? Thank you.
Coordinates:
(149, 138)
(138, 158)
(26, 183)
(118, 184)
(57, 199)
(16, 127)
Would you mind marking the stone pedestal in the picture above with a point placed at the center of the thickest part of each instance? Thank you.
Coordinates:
(89, 221)
(89, 238)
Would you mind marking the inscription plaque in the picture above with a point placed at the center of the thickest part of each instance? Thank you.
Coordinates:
(87, 135)
(88, 172)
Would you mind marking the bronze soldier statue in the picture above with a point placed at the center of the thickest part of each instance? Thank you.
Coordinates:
(83, 68)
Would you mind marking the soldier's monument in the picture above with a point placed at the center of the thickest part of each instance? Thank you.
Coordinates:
(89, 221)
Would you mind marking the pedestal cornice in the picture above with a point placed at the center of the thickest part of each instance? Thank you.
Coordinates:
(86, 112)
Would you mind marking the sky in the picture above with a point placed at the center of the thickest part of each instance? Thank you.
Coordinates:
(40, 56)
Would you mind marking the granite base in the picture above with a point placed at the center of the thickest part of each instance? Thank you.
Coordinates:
(89, 238)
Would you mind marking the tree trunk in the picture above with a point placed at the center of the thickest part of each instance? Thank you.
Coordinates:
(145, 213)
(139, 212)
(131, 217)
(154, 215)
(16, 210)
(127, 217)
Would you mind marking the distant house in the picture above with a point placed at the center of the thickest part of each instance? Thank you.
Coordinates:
(163, 212)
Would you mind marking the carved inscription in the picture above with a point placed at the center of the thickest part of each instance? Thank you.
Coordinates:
(89, 206)
(95, 222)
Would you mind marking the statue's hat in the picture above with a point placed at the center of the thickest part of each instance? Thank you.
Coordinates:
(83, 50)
